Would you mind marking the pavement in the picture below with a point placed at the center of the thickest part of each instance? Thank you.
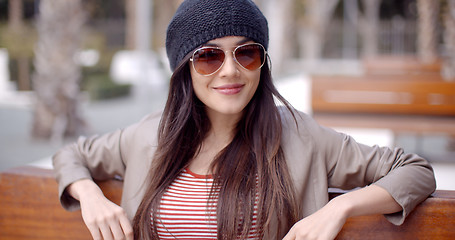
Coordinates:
(18, 148)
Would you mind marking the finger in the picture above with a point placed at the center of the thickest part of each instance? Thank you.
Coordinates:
(127, 228)
(106, 231)
(117, 231)
(94, 231)
(118, 222)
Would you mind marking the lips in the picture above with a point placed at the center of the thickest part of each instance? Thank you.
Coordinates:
(229, 89)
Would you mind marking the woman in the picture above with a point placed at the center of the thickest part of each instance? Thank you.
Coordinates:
(222, 160)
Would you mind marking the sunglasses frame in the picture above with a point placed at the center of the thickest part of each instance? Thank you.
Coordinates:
(233, 56)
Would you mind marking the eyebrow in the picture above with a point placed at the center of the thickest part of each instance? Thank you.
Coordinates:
(244, 40)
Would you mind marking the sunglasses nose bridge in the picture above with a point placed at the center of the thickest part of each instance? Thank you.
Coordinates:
(230, 53)
(230, 62)
(233, 55)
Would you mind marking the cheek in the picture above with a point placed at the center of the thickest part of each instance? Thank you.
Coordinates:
(255, 79)
(194, 80)
(199, 85)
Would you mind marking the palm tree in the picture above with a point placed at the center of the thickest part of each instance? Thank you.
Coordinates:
(57, 76)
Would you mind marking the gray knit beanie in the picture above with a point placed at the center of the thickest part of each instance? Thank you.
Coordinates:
(199, 21)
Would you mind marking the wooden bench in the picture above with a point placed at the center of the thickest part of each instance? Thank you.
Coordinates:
(382, 94)
(397, 93)
(30, 209)
(391, 84)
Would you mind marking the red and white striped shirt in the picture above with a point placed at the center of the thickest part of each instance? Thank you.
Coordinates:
(184, 213)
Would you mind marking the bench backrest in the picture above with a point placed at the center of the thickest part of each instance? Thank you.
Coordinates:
(30, 209)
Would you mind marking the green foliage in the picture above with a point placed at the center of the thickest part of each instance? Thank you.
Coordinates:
(96, 40)
(19, 42)
(93, 40)
(100, 86)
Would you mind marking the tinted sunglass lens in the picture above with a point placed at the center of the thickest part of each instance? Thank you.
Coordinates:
(250, 56)
(208, 60)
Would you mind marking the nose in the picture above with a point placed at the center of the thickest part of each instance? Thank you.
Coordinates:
(230, 66)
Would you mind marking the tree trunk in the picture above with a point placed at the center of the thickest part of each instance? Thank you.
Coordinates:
(23, 73)
(15, 17)
(280, 15)
(427, 36)
(130, 31)
(369, 28)
(318, 14)
(448, 68)
(163, 11)
(57, 76)
(16, 25)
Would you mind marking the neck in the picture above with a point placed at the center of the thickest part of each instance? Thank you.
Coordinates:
(221, 133)
(223, 126)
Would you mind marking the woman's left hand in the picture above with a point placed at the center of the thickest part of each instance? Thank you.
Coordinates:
(325, 224)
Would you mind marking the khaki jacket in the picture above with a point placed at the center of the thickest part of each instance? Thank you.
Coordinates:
(318, 158)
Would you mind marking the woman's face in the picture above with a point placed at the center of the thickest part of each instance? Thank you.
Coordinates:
(230, 89)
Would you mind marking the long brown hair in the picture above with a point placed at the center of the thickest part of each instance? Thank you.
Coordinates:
(251, 165)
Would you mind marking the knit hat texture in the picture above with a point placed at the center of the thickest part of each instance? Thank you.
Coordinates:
(199, 21)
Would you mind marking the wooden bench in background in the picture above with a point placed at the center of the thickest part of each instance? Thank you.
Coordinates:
(30, 209)
(420, 107)
(395, 92)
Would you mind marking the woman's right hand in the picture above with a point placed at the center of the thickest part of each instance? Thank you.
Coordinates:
(104, 219)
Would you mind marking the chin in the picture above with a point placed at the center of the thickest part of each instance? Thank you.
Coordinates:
(229, 110)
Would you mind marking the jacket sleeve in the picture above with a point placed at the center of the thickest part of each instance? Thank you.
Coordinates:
(95, 157)
(407, 177)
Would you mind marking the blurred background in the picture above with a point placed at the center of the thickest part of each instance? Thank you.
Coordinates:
(382, 71)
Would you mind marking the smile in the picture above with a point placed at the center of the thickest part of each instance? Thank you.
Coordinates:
(230, 89)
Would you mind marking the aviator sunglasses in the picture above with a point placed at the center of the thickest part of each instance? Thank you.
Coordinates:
(208, 60)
